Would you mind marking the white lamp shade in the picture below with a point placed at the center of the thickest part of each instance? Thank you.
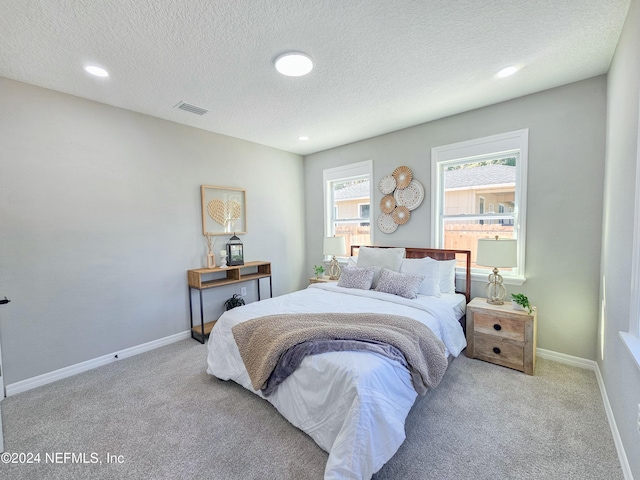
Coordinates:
(334, 246)
(497, 252)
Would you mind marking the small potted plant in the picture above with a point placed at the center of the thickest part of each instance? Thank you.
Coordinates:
(234, 302)
(520, 302)
(319, 270)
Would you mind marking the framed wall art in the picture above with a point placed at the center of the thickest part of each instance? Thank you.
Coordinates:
(224, 210)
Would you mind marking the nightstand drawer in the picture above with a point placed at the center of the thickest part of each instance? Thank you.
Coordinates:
(499, 350)
(505, 327)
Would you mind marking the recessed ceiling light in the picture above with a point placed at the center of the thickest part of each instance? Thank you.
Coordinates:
(96, 71)
(294, 64)
(508, 71)
(303, 138)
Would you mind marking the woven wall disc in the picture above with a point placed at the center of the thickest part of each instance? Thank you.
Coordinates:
(386, 223)
(403, 176)
(411, 196)
(387, 184)
(387, 204)
(401, 215)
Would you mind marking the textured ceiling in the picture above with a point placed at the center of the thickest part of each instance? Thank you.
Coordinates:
(380, 65)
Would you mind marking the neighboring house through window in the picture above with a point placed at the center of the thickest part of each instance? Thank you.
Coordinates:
(347, 195)
(468, 180)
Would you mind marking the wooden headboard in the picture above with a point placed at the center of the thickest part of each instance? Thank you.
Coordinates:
(436, 254)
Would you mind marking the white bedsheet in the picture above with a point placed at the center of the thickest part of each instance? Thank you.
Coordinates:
(353, 404)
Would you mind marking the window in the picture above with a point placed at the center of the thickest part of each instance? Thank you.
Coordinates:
(347, 193)
(363, 208)
(631, 339)
(468, 180)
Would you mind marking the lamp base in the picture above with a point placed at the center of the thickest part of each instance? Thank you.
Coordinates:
(495, 289)
(334, 269)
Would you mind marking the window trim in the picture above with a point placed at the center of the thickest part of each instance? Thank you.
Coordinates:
(631, 339)
(344, 172)
(517, 140)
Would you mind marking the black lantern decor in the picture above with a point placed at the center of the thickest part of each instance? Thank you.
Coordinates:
(235, 253)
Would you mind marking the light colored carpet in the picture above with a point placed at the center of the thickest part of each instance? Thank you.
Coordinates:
(168, 419)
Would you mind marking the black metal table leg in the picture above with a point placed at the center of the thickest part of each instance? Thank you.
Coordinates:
(201, 318)
(191, 312)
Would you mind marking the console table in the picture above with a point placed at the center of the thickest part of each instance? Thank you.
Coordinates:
(205, 278)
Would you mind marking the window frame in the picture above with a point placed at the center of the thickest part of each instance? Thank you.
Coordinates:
(344, 172)
(631, 339)
(472, 150)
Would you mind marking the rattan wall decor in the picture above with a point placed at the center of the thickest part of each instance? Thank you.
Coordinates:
(403, 194)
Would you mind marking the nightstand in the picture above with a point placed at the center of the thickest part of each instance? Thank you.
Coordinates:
(501, 335)
(320, 280)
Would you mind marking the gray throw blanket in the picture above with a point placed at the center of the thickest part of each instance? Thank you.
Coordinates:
(290, 360)
(262, 341)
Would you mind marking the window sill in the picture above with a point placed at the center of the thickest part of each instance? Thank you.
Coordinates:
(481, 277)
(633, 345)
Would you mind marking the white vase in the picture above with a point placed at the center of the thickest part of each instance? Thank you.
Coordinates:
(516, 306)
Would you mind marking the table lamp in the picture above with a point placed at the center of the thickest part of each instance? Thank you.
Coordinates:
(498, 252)
(334, 246)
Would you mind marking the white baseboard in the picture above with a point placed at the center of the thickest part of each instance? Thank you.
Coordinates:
(622, 456)
(566, 359)
(29, 383)
(591, 365)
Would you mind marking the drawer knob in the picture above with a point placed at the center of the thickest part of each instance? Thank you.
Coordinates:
(496, 350)
(497, 327)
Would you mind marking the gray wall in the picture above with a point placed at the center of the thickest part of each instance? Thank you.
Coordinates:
(564, 209)
(100, 220)
(621, 375)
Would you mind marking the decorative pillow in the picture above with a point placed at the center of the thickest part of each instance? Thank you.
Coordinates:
(389, 258)
(427, 267)
(402, 284)
(352, 262)
(354, 277)
(447, 276)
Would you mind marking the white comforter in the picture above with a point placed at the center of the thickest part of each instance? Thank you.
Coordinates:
(353, 404)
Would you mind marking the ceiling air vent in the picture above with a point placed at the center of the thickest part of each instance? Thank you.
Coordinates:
(191, 108)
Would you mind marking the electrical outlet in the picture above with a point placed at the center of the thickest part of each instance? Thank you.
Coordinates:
(243, 291)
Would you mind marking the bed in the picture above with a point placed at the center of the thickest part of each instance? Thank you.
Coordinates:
(353, 404)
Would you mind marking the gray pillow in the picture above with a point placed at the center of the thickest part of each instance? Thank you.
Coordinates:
(402, 284)
(354, 277)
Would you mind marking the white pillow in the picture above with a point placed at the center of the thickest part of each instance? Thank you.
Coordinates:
(429, 269)
(447, 276)
(390, 258)
(352, 262)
